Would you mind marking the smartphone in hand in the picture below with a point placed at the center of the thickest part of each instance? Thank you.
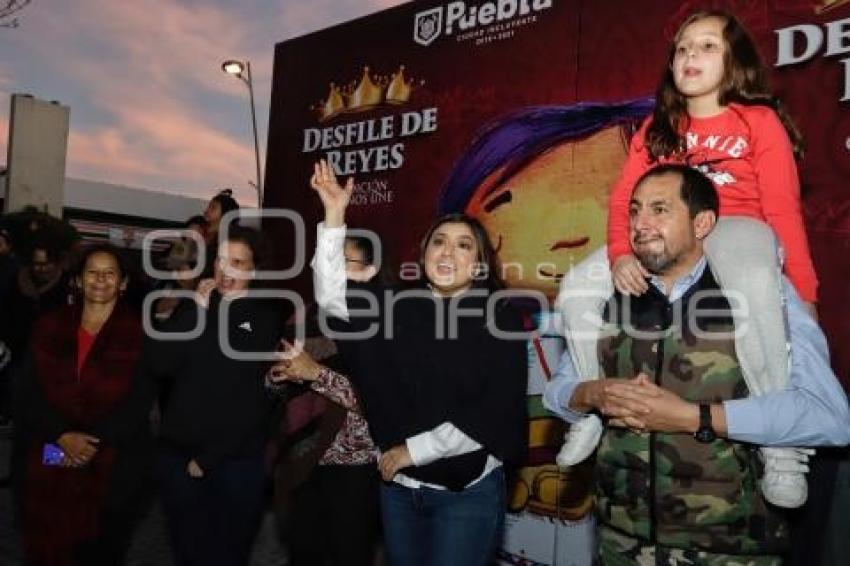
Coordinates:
(52, 455)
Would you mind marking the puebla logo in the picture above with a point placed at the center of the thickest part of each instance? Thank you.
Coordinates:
(427, 26)
(459, 16)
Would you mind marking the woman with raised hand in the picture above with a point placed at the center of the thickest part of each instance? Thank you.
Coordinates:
(442, 389)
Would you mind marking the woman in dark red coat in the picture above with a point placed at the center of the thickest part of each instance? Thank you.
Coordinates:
(79, 399)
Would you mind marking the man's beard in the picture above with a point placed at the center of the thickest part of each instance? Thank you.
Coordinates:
(657, 262)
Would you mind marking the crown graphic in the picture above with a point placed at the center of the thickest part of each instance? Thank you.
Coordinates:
(399, 89)
(369, 92)
(334, 103)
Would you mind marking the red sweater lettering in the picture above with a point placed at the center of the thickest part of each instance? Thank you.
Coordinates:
(746, 152)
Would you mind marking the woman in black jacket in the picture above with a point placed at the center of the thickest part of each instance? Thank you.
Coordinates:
(440, 371)
(214, 424)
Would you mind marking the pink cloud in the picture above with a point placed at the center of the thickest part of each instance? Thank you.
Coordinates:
(4, 135)
(153, 124)
(5, 88)
(149, 104)
(165, 150)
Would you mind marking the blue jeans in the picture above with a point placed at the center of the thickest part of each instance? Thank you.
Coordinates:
(434, 527)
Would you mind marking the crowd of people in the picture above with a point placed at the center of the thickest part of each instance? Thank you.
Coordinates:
(399, 418)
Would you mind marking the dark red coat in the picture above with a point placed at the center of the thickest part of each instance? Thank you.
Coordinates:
(107, 399)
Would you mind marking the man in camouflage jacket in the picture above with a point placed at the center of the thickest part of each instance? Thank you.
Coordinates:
(677, 472)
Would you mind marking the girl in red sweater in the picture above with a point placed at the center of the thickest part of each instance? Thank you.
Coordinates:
(715, 112)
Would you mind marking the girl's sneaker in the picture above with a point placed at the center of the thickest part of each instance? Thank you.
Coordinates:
(784, 481)
(580, 441)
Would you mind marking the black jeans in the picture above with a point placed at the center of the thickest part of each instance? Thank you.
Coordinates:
(333, 519)
(212, 520)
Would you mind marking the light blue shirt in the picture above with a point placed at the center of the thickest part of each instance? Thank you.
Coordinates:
(681, 285)
(811, 411)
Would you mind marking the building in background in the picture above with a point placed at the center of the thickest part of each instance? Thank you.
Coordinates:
(119, 214)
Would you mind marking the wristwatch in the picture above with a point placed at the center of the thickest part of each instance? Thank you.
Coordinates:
(705, 433)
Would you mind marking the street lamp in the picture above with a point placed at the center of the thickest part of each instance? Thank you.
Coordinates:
(242, 71)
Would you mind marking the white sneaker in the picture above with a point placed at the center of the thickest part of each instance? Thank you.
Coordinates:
(784, 482)
(580, 441)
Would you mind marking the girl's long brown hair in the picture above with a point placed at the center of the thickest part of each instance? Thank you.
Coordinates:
(744, 82)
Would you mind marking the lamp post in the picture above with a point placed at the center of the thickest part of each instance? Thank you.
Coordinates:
(242, 71)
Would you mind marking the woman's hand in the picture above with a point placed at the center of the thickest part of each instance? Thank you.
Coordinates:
(361, 275)
(79, 448)
(393, 460)
(194, 470)
(629, 275)
(203, 292)
(300, 366)
(334, 197)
